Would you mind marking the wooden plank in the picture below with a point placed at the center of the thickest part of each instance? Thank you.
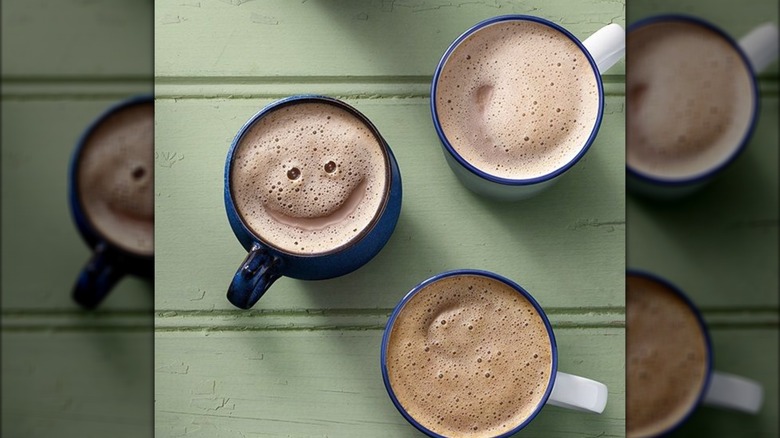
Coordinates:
(42, 250)
(282, 39)
(76, 39)
(84, 384)
(566, 246)
(314, 383)
(720, 245)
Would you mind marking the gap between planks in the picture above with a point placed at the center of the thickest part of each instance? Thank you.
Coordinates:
(346, 87)
(332, 319)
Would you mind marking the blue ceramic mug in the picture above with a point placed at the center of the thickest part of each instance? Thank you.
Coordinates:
(464, 337)
(669, 360)
(312, 191)
(493, 97)
(692, 101)
(110, 191)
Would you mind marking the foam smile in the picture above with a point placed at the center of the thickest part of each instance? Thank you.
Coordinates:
(317, 223)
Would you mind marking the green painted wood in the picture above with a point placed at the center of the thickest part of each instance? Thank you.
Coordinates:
(66, 372)
(76, 39)
(379, 38)
(315, 383)
(305, 361)
(80, 384)
(566, 246)
(42, 251)
(721, 245)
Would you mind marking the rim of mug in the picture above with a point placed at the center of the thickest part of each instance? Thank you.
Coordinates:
(464, 272)
(88, 230)
(737, 151)
(232, 211)
(705, 332)
(511, 181)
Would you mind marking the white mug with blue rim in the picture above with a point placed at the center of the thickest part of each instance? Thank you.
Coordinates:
(692, 99)
(465, 344)
(517, 100)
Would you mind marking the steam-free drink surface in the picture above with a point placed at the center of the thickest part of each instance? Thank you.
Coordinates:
(666, 354)
(517, 99)
(690, 100)
(309, 177)
(115, 179)
(469, 356)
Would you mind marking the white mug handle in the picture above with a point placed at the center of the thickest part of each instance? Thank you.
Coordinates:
(734, 392)
(760, 46)
(578, 393)
(606, 46)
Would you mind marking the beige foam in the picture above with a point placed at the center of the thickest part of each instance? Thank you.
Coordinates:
(666, 357)
(689, 100)
(309, 177)
(517, 99)
(115, 179)
(468, 356)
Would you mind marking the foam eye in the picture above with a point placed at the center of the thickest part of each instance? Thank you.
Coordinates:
(330, 167)
(294, 173)
(138, 172)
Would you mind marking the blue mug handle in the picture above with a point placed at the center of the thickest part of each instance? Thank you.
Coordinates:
(97, 278)
(258, 272)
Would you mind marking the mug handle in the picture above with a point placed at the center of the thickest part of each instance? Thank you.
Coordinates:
(98, 277)
(258, 272)
(734, 392)
(578, 393)
(760, 46)
(606, 46)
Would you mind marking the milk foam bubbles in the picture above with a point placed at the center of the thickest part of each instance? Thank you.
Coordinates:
(468, 355)
(518, 99)
(115, 179)
(309, 177)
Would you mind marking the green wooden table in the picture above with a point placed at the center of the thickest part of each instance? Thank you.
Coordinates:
(66, 372)
(720, 245)
(305, 360)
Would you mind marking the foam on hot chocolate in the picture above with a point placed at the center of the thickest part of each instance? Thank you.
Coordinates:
(469, 356)
(309, 177)
(115, 179)
(690, 100)
(666, 358)
(517, 99)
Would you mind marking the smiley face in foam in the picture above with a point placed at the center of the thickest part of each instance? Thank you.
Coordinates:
(115, 178)
(309, 177)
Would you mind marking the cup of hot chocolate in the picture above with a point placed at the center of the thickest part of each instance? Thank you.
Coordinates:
(312, 191)
(471, 353)
(692, 99)
(517, 100)
(111, 196)
(669, 361)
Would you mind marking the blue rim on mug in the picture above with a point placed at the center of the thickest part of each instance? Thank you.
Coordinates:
(705, 333)
(706, 176)
(471, 168)
(109, 257)
(475, 272)
(333, 263)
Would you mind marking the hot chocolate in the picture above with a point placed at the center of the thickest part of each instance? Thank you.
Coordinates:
(517, 99)
(690, 100)
(469, 356)
(115, 180)
(666, 357)
(309, 177)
